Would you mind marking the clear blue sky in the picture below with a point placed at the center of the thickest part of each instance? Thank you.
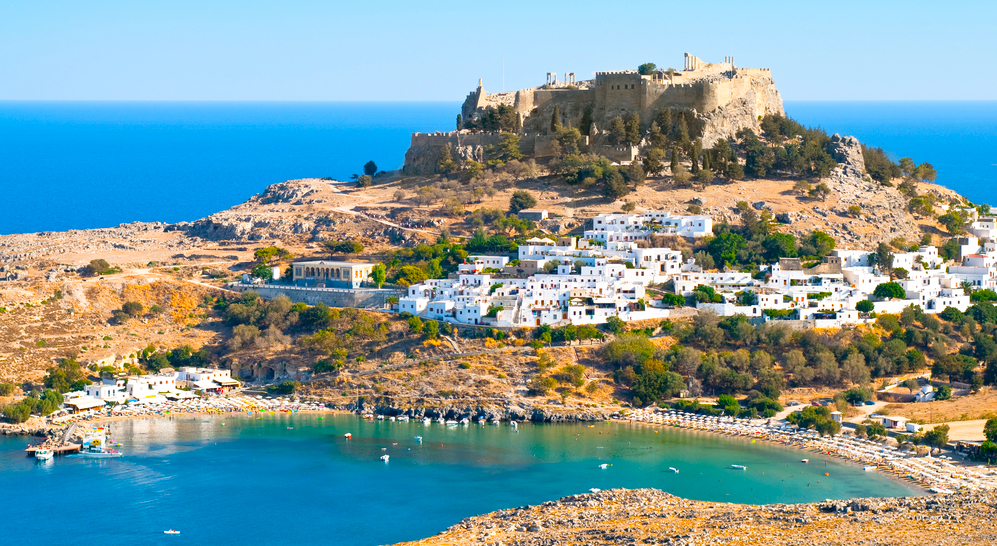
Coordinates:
(437, 50)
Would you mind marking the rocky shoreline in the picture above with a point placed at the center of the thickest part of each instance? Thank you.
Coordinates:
(509, 411)
(651, 516)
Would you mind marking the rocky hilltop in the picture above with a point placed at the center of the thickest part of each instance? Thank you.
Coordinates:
(650, 516)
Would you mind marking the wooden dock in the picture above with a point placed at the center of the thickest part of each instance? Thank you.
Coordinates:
(57, 449)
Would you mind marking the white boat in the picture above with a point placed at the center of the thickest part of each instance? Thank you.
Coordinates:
(739, 466)
(392, 418)
(451, 423)
(171, 532)
(380, 418)
(385, 457)
(348, 435)
(495, 422)
(426, 420)
(418, 439)
(595, 490)
(441, 420)
(513, 424)
(869, 468)
(673, 469)
(403, 418)
(604, 466)
(804, 461)
(465, 421)
(43, 454)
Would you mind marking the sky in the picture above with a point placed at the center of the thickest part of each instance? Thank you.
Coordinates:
(381, 50)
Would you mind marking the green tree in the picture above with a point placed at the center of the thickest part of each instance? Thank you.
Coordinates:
(364, 181)
(446, 164)
(889, 290)
(97, 267)
(460, 123)
(633, 130)
(652, 161)
(520, 200)
(883, 257)
(617, 131)
(646, 69)
(615, 186)
(864, 306)
(990, 429)
(132, 308)
(725, 247)
(820, 191)
(431, 329)
(262, 271)
(555, 121)
(370, 168)
(379, 274)
(937, 437)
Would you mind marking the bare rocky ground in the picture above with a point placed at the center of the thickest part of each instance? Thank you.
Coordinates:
(650, 516)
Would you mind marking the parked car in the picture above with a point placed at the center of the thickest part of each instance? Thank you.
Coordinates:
(870, 403)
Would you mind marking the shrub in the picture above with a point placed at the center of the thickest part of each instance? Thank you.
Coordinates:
(864, 306)
(287, 387)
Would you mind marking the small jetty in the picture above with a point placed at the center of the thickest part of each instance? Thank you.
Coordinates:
(57, 448)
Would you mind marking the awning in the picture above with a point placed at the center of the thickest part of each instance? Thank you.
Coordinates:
(227, 381)
(85, 403)
(205, 384)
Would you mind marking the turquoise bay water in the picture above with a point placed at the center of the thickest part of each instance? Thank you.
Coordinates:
(258, 482)
(69, 165)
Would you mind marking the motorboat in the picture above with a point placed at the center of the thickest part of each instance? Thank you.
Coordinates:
(403, 418)
(595, 490)
(348, 435)
(43, 454)
(418, 439)
(604, 466)
(465, 421)
(426, 420)
(171, 532)
(495, 422)
(385, 457)
(513, 424)
(673, 469)
(739, 466)
(392, 418)
(441, 420)
(451, 423)
(380, 418)
(804, 461)
(869, 468)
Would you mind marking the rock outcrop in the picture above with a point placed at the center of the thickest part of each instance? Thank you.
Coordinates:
(847, 151)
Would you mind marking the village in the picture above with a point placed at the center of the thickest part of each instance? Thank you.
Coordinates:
(612, 271)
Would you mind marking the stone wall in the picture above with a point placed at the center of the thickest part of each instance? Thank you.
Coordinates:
(362, 298)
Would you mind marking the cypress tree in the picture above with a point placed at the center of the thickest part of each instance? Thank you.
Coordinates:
(694, 168)
(675, 160)
(555, 120)
(706, 161)
(460, 123)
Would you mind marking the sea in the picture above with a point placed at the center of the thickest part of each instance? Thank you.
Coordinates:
(291, 479)
(76, 165)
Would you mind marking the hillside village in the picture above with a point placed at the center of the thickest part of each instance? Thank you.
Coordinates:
(611, 271)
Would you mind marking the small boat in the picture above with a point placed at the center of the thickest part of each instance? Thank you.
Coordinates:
(392, 418)
(595, 490)
(418, 439)
(380, 418)
(441, 420)
(604, 466)
(513, 424)
(739, 466)
(495, 422)
(385, 457)
(171, 532)
(451, 423)
(348, 435)
(426, 420)
(43, 454)
(804, 461)
(465, 421)
(673, 469)
(869, 468)
(403, 418)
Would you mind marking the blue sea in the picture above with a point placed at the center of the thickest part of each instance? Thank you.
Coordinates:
(66, 165)
(255, 481)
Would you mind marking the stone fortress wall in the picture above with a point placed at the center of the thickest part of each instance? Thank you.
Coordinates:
(723, 97)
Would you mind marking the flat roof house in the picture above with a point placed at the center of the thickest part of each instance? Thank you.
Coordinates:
(328, 274)
(535, 215)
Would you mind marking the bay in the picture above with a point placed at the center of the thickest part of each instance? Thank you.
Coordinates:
(253, 481)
